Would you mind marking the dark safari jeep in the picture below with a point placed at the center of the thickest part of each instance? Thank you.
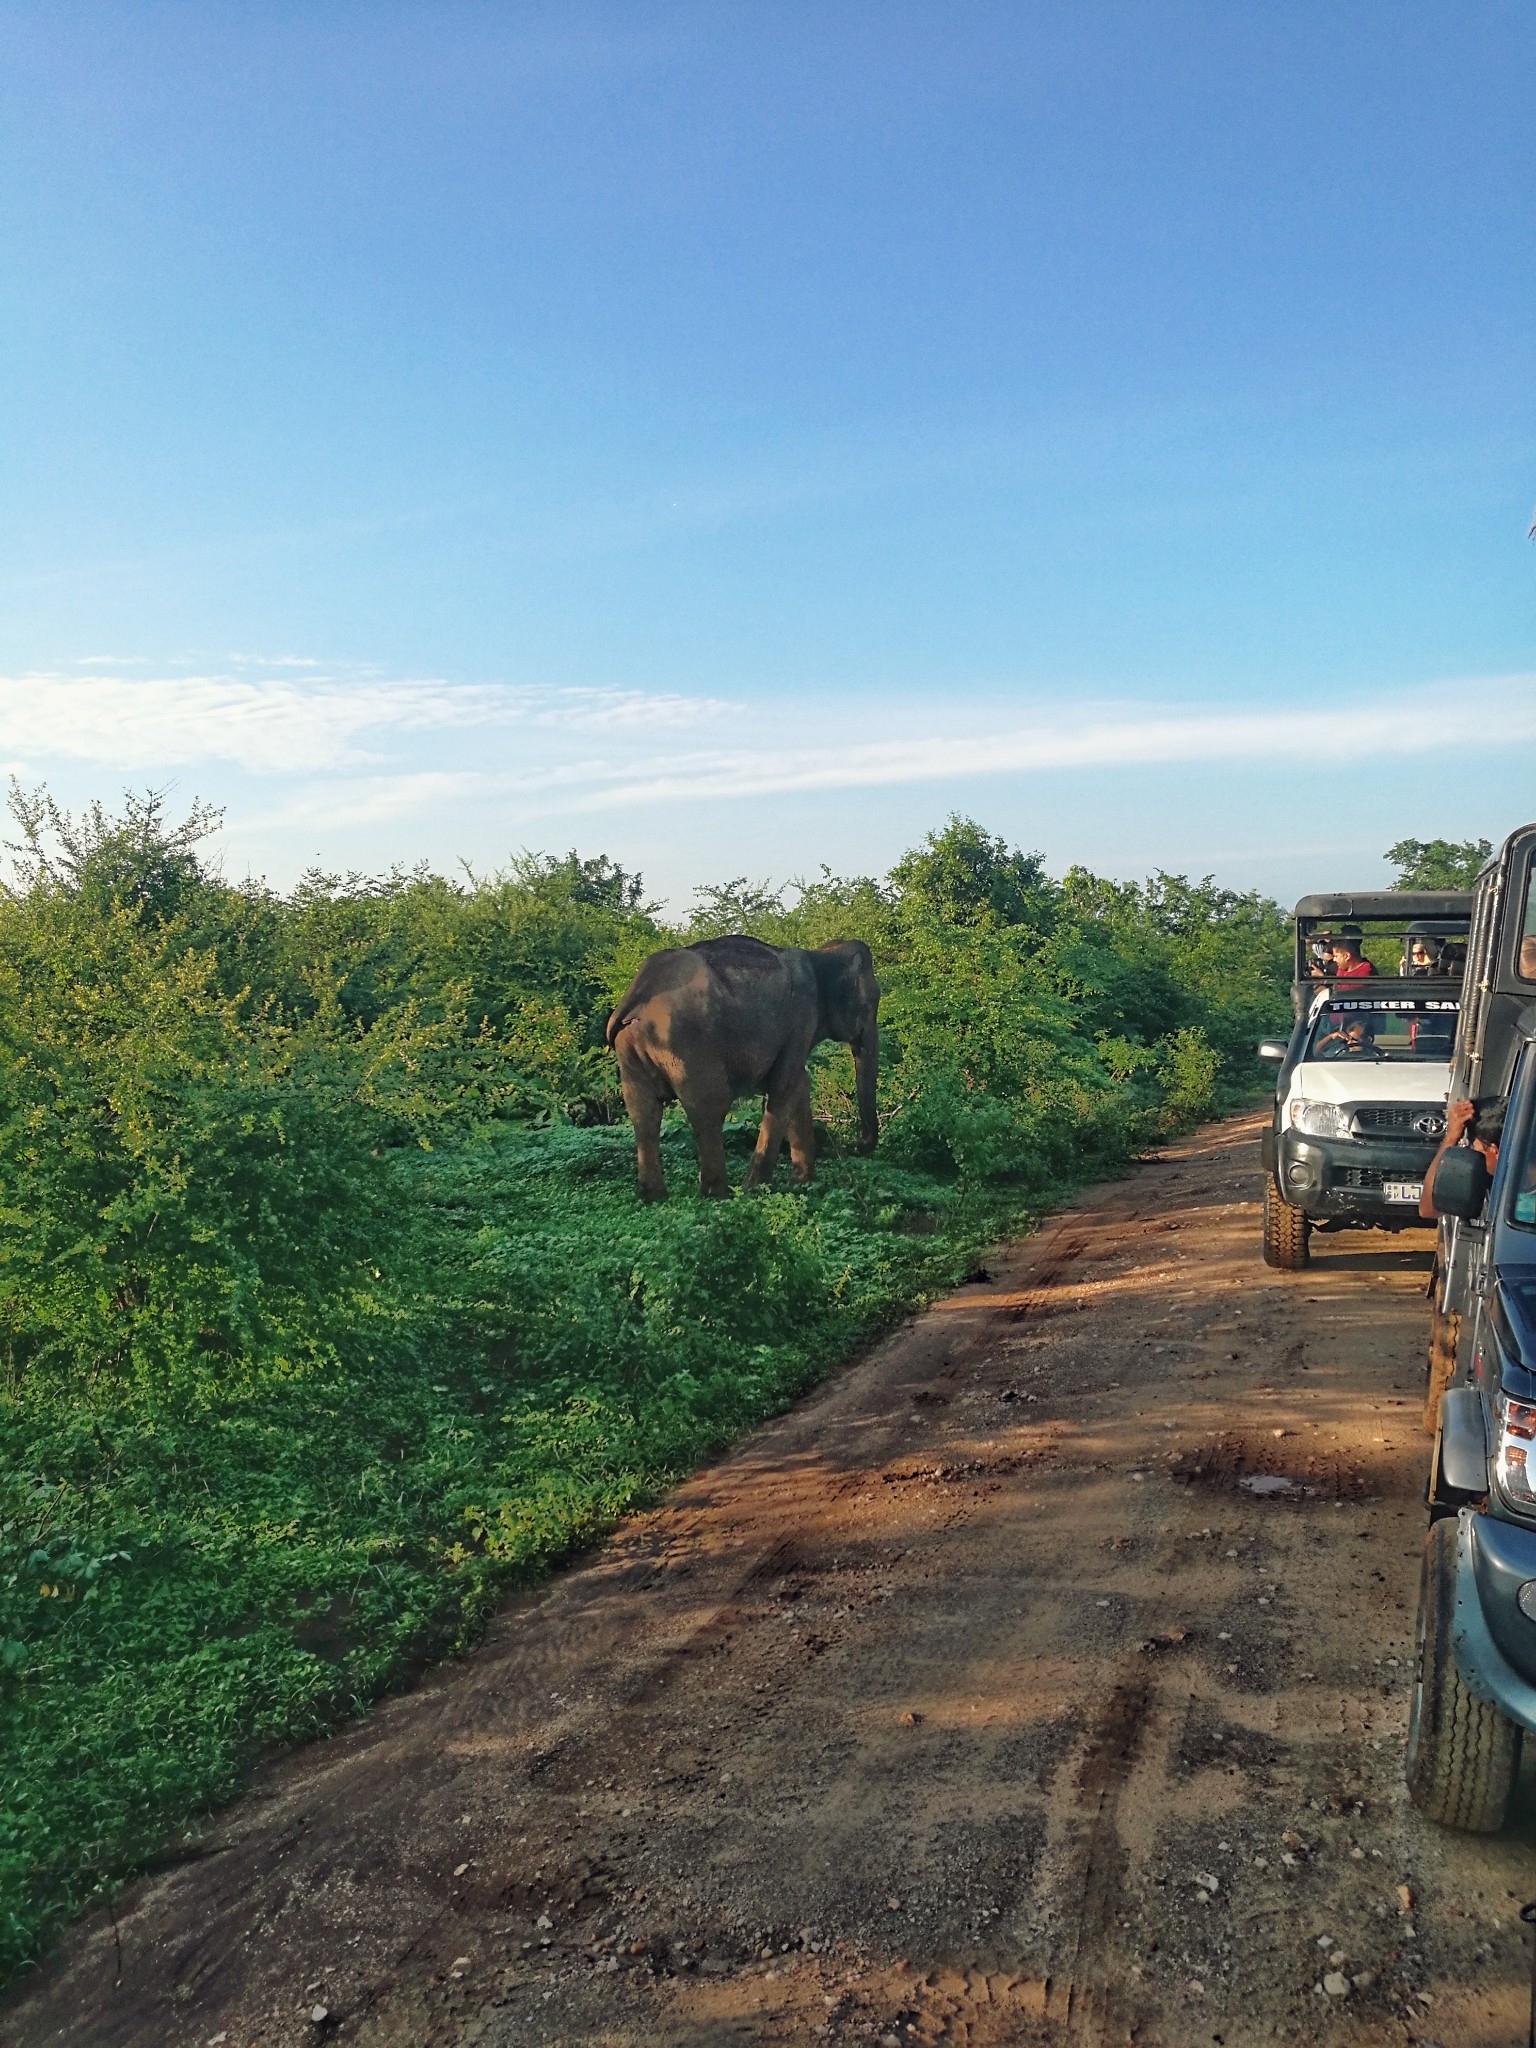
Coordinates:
(1500, 984)
(1475, 1666)
(1360, 1096)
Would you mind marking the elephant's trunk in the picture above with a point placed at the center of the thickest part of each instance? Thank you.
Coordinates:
(866, 1066)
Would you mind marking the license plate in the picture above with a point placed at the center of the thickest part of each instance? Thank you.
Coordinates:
(1402, 1190)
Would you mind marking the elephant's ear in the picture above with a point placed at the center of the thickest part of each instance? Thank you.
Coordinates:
(850, 995)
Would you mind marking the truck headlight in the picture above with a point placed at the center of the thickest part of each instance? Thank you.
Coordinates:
(1517, 1439)
(1320, 1119)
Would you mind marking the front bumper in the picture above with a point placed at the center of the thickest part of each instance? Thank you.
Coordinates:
(1495, 1646)
(1344, 1178)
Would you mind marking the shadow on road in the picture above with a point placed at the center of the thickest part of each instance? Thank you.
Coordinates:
(1398, 1260)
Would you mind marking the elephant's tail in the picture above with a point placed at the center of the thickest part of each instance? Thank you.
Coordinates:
(616, 1023)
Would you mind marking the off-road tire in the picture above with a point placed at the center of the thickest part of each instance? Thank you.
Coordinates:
(1287, 1231)
(1462, 1752)
(1444, 1336)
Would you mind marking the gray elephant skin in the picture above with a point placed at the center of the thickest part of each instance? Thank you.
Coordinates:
(704, 1024)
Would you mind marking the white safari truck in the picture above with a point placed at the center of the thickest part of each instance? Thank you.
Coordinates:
(1360, 1095)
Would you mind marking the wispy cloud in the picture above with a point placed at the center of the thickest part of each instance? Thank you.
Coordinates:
(354, 749)
(1404, 724)
(283, 724)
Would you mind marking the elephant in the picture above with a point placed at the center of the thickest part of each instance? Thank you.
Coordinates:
(703, 1024)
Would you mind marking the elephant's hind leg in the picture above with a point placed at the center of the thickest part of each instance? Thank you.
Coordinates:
(706, 1111)
(644, 1106)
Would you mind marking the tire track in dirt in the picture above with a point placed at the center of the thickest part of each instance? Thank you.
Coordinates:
(1111, 1751)
(983, 1698)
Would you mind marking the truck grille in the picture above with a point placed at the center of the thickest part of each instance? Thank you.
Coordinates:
(1372, 1179)
(1400, 1119)
(1361, 1177)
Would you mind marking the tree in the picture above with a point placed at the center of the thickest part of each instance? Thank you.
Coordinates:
(965, 876)
(598, 881)
(1438, 863)
(139, 861)
(735, 906)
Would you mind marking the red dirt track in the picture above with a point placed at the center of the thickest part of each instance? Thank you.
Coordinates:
(976, 1700)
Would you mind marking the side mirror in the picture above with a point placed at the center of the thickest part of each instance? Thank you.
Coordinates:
(1461, 1183)
(1272, 1048)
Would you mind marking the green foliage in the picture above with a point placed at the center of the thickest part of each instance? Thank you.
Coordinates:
(963, 876)
(1438, 863)
(734, 906)
(187, 1179)
(138, 863)
(327, 1307)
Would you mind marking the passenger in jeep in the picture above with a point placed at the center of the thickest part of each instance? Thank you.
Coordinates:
(1349, 964)
(1433, 1037)
(1485, 1119)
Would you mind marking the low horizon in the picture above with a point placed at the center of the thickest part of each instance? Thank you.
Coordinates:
(674, 907)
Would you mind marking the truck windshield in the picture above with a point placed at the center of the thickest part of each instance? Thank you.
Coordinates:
(1397, 1028)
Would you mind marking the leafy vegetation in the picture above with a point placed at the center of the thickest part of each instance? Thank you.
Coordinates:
(1438, 863)
(327, 1308)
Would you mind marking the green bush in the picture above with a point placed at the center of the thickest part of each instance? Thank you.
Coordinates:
(189, 1186)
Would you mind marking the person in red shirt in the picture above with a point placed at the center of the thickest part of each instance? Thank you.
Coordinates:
(1349, 964)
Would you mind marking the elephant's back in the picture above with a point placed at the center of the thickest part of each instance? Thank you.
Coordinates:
(733, 985)
(741, 966)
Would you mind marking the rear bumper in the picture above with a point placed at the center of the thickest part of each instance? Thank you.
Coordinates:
(1343, 1178)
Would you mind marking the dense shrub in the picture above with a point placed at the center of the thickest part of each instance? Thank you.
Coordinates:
(326, 1303)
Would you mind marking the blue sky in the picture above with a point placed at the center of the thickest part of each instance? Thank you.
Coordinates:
(734, 437)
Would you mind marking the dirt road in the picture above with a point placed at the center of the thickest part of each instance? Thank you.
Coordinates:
(981, 1699)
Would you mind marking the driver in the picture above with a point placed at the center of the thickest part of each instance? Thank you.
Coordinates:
(1350, 1035)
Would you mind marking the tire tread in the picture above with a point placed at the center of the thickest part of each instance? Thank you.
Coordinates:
(1461, 1768)
(1287, 1231)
